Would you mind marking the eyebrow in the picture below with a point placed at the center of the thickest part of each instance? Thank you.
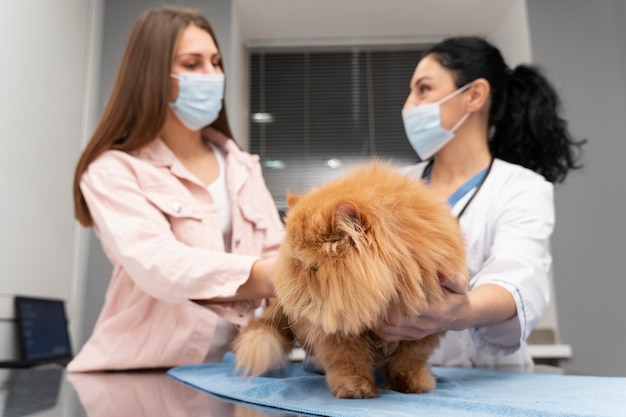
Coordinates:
(419, 80)
(196, 54)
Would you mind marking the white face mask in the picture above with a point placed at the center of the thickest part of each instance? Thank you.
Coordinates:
(199, 99)
(422, 125)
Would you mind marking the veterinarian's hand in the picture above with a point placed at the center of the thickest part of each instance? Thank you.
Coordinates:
(449, 314)
(457, 284)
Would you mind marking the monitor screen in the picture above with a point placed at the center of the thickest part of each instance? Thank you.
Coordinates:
(42, 328)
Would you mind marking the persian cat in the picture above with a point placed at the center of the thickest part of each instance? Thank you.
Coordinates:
(367, 247)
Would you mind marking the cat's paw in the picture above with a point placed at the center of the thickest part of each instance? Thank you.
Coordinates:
(412, 383)
(258, 351)
(352, 386)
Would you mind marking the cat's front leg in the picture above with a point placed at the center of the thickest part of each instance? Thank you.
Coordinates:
(348, 363)
(407, 368)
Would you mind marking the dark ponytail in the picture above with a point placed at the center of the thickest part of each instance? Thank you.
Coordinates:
(524, 115)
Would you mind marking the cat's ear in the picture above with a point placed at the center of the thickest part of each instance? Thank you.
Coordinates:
(292, 199)
(347, 214)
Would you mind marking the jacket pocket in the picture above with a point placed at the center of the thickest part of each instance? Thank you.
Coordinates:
(175, 204)
(255, 214)
(186, 218)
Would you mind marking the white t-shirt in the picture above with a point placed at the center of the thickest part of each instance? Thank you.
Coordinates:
(220, 197)
(225, 331)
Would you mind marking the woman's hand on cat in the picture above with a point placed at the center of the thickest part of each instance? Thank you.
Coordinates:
(261, 277)
(448, 314)
(258, 286)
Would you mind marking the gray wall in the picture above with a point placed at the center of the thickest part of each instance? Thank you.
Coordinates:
(582, 45)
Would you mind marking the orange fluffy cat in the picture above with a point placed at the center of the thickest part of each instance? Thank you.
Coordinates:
(358, 250)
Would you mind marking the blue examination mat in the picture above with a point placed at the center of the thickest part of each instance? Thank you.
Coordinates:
(460, 392)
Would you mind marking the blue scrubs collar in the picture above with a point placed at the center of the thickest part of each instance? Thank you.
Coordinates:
(475, 182)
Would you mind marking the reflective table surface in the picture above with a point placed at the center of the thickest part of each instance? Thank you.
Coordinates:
(52, 392)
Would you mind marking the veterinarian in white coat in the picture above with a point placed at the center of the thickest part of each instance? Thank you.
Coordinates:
(493, 145)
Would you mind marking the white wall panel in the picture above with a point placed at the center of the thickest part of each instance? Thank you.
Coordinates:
(45, 69)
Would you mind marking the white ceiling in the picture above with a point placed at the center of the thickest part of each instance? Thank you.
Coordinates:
(267, 21)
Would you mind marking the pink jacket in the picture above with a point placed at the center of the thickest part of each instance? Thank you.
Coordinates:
(158, 226)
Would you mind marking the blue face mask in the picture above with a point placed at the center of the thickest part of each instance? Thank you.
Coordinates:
(422, 125)
(199, 99)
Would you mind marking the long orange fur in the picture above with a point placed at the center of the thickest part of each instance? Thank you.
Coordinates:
(361, 249)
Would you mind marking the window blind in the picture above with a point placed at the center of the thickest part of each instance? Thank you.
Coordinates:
(317, 114)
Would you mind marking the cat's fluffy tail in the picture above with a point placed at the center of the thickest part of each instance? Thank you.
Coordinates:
(264, 344)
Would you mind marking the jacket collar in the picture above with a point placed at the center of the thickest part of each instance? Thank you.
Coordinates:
(159, 154)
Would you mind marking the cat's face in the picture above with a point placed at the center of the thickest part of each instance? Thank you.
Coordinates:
(329, 271)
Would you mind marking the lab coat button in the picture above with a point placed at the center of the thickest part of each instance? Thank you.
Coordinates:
(237, 242)
(177, 207)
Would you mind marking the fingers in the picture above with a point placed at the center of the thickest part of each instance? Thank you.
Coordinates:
(457, 283)
(267, 268)
(389, 333)
(438, 317)
(396, 332)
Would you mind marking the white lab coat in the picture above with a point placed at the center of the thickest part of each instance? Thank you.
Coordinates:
(507, 228)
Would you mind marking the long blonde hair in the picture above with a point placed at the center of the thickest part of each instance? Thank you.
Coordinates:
(137, 108)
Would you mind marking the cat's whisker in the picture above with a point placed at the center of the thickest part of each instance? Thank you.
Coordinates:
(291, 316)
(287, 296)
(312, 330)
(297, 335)
(273, 317)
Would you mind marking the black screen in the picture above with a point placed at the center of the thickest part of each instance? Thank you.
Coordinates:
(42, 328)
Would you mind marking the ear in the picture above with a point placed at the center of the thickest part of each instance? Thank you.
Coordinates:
(347, 214)
(478, 94)
(292, 199)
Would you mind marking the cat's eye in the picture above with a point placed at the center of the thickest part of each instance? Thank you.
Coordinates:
(315, 267)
